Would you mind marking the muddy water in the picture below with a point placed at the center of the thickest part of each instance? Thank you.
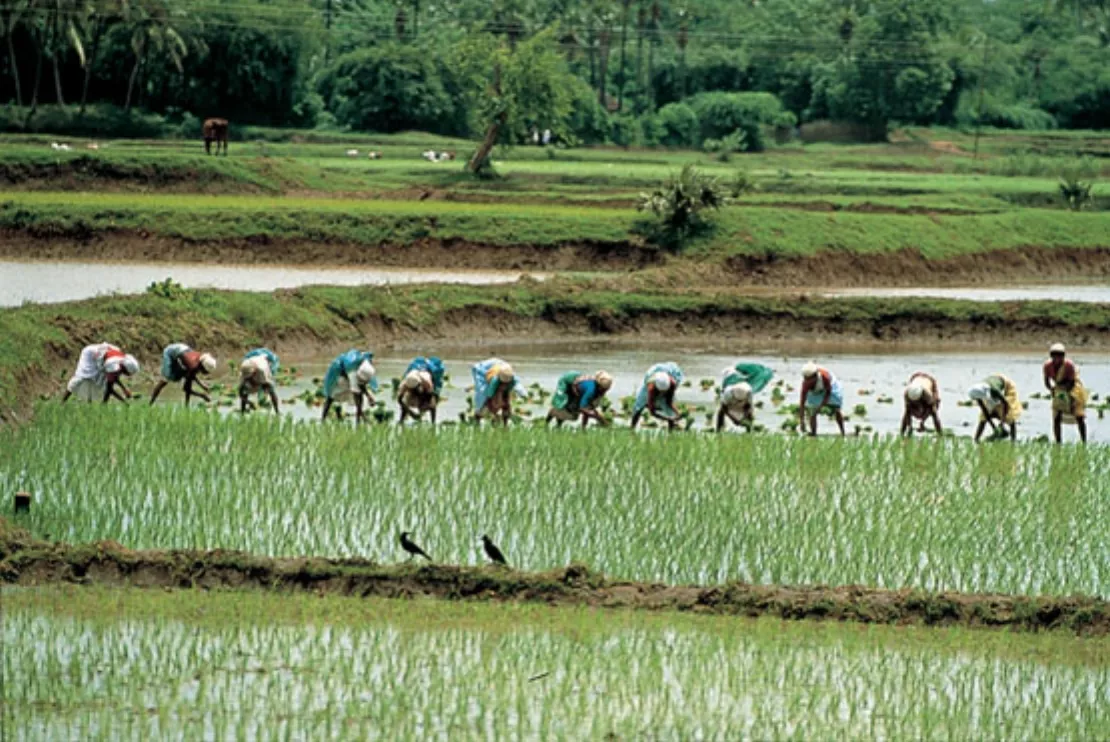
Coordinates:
(866, 378)
(1093, 294)
(43, 282)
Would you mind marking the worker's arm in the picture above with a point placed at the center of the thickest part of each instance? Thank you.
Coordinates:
(936, 420)
(907, 423)
(720, 418)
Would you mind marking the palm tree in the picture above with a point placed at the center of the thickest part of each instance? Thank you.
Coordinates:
(154, 29)
(624, 42)
(11, 14)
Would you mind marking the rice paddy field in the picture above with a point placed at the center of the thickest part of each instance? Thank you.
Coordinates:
(87, 663)
(690, 508)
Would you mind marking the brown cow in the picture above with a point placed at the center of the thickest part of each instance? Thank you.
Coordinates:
(215, 130)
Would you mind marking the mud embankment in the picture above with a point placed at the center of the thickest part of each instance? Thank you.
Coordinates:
(829, 268)
(25, 560)
(446, 254)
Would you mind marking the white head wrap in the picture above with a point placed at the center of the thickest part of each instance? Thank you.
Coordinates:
(505, 373)
(980, 392)
(661, 381)
(810, 369)
(738, 393)
(130, 365)
(208, 362)
(1057, 348)
(365, 372)
(914, 392)
(425, 379)
(411, 380)
(604, 379)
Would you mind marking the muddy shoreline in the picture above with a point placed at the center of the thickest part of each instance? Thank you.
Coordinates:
(28, 561)
(830, 268)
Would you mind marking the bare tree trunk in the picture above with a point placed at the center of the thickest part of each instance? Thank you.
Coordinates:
(35, 90)
(89, 61)
(131, 83)
(603, 71)
(489, 141)
(624, 44)
(57, 80)
(15, 70)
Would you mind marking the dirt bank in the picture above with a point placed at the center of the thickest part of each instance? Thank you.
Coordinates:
(830, 268)
(841, 268)
(25, 560)
(448, 254)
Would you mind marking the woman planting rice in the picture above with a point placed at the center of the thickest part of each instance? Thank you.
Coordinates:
(99, 372)
(182, 363)
(656, 396)
(820, 391)
(738, 385)
(1069, 396)
(420, 389)
(256, 375)
(997, 397)
(578, 394)
(922, 401)
(494, 385)
(350, 378)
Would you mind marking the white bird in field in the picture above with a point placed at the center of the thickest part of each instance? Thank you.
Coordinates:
(352, 153)
(92, 145)
(375, 155)
(429, 155)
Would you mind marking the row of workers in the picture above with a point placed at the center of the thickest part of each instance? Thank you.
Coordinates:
(352, 378)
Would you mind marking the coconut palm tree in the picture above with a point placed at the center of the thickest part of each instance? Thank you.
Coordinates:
(156, 29)
(11, 15)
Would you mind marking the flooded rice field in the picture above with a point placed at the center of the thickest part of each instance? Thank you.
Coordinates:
(1085, 293)
(51, 281)
(874, 381)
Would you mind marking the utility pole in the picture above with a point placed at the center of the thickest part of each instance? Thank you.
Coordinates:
(979, 105)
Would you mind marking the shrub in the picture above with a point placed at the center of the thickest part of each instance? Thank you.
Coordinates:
(681, 205)
(588, 122)
(679, 126)
(392, 87)
(721, 114)
(98, 122)
(624, 131)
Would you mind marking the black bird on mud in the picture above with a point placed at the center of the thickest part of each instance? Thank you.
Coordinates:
(410, 546)
(493, 552)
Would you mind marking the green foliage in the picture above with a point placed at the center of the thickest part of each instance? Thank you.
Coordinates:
(392, 87)
(721, 115)
(168, 289)
(680, 126)
(681, 204)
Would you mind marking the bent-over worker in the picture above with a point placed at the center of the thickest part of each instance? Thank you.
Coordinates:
(820, 391)
(739, 384)
(351, 377)
(657, 393)
(921, 399)
(420, 388)
(997, 397)
(577, 395)
(182, 363)
(256, 376)
(100, 372)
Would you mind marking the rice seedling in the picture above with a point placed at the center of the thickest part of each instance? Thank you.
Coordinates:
(691, 508)
(83, 663)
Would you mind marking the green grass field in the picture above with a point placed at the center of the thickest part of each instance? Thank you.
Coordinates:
(690, 508)
(87, 662)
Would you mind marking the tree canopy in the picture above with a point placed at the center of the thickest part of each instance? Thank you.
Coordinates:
(628, 71)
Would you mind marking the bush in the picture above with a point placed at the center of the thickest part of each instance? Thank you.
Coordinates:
(98, 122)
(1002, 116)
(679, 126)
(681, 204)
(1076, 183)
(721, 114)
(625, 131)
(588, 123)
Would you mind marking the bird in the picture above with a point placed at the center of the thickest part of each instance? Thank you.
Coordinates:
(408, 545)
(492, 551)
